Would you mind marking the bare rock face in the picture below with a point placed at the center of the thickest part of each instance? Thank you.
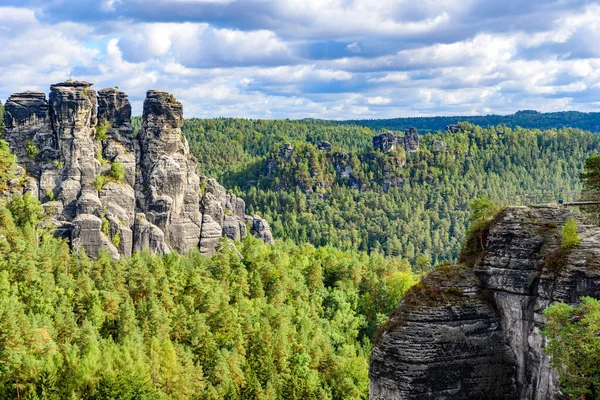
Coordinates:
(410, 141)
(29, 131)
(108, 189)
(445, 341)
(324, 146)
(452, 128)
(169, 184)
(260, 228)
(387, 141)
(473, 332)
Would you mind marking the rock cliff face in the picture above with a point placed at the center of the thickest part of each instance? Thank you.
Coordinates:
(107, 188)
(387, 141)
(473, 331)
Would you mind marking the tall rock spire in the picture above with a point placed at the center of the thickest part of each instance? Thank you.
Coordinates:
(170, 185)
(108, 189)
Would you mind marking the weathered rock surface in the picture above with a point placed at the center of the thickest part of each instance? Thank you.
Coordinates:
(473, 332)
(439, 145)
(343, 166)
(410, 140)
(452, 128)
(259, 227)
(70, 147)
(324, 146)
(387, 141)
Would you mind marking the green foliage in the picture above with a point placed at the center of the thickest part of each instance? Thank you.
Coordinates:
(50, 194)
(284, 321)
(102, 130)
(574, 346)
(307, 200)
(1, 119)
(25, 210)
(117, 171)
(569, 234)
(483, 209)
(116, 240)
(590, 177)
(105, 227)
(526, 119)
(99, 182)
(31, 149)
(7, 165)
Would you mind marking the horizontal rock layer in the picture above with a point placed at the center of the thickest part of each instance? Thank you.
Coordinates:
(473, 332)
(109, 188)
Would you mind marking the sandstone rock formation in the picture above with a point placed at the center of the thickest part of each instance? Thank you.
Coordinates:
(452, 128)
(473, 331)
(387, 141)
(324, 146)
(106, 188)
(439, 145)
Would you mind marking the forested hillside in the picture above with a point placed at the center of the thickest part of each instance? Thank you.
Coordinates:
(254, 321)
(526, 119)
(417, 210)
(283, 321)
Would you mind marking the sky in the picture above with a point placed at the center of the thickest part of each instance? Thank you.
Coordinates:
(332, 59)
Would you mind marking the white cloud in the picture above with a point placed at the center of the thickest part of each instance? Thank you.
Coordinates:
(202, 45)
(378, 100)
(394, 57)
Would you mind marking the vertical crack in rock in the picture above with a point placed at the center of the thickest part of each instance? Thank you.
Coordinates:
(473, 332)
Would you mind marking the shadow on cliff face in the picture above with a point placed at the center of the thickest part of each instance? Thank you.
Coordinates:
(109, 188)
(472, 330)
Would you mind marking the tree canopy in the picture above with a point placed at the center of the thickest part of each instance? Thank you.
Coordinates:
(574, 346)
(284, 321)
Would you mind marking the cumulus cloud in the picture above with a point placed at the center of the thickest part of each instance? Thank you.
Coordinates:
(313, 58)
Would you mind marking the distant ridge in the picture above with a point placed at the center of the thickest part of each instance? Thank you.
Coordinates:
(530, 119)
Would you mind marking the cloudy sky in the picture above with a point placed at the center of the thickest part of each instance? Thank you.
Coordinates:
(341, 59)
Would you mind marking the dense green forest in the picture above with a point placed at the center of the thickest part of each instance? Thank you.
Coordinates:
(526, 119)
(284, 321)
(418, 210)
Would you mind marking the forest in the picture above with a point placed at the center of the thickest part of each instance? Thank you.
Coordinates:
(355, 229)
(529, 119)
(411, 205)
(284, 321)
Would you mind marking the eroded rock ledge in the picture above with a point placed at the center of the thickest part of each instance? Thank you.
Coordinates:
(109, 188)
(473, 331)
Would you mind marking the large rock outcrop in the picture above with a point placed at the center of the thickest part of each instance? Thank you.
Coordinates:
(473, 331)
(108, 189)
(387, 141)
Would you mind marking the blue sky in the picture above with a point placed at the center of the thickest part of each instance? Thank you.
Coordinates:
(339, 59)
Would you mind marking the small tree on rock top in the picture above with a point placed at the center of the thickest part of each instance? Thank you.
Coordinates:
(569, 234)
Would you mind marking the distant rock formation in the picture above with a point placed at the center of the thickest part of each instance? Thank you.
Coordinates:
(324, 146)
(439, 145)
(472, 331)
(286, 152)
(452, 128)
(343, 166)
(387, 141)
(105, 187)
